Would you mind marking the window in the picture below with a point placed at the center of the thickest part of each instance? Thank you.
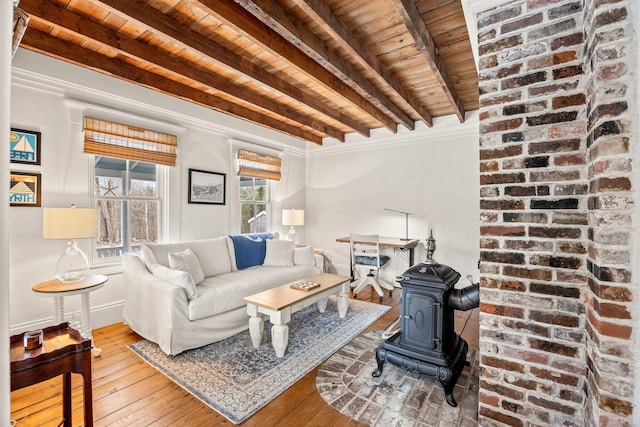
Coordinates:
(127, 187)
(127, 196)
(256, 171)
(254, 205)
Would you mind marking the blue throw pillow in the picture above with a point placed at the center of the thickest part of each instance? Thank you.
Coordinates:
(250, 249)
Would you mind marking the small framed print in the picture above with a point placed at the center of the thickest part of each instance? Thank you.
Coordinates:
(25, 189)
(24, 146)
(207, 187)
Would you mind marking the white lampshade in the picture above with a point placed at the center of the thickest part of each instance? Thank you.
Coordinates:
(70, 224)
(292, 217)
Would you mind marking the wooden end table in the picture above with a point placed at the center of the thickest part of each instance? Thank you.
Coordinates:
(64, 351)
(279, 303)
(58, 290)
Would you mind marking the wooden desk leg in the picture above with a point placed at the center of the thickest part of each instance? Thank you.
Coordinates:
(87, 388)
(66, 398)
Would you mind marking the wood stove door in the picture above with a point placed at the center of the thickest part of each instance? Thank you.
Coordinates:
(420, 321)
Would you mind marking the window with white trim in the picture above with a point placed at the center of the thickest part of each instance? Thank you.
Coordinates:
(255, 205)
(128, 177)
(256, 172)
(127, 196)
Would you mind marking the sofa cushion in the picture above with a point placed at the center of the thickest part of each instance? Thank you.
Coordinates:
(304, 256)
(187, 261)
(148, 256)
(224, 292)
(176, 277)
(279, 253)
(212, 254)
(371, 260)
(250, 249)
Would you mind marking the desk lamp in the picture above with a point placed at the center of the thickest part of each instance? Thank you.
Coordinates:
(71, 224)
(406, 221)
(292, 217)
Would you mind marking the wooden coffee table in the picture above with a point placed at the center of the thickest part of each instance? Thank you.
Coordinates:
(279, 303)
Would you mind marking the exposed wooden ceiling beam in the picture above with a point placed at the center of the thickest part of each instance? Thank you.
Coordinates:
(45, 43)
(275, 17)
(61, 18)
(244, 22)
(322, 14)
(159, 22)
(424, 42)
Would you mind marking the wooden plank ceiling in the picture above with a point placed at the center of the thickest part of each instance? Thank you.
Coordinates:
(313, 69)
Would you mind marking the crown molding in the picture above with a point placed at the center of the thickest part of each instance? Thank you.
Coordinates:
(448, 127)
(92, 98)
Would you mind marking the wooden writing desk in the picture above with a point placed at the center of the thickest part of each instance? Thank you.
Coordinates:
(63, 351)
(391, 242)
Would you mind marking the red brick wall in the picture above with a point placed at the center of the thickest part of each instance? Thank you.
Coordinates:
(556, 200)
(609, 66)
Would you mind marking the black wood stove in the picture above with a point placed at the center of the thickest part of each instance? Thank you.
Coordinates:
(426, 341)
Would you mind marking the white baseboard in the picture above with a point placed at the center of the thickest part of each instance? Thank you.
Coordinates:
(103, 315)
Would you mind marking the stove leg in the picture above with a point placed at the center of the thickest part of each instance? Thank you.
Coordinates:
(380, 358)
(448, 392)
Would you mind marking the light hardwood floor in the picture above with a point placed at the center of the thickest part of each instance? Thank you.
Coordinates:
(129, 392)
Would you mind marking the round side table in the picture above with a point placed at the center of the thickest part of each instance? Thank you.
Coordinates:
(58, 290)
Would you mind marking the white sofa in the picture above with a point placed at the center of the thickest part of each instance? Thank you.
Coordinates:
(169, 307)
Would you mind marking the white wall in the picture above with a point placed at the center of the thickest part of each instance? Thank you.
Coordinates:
(51, 96)
(432, 173)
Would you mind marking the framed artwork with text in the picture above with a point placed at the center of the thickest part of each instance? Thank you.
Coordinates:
(25, 189)
(24, 146)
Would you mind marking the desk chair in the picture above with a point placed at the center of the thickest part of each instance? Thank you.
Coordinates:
(365, 255)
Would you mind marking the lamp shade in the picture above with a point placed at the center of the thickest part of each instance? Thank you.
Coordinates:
(69, 223)
(292, 217)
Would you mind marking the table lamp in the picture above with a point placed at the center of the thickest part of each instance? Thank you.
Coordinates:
(70, 224)
(292, 217)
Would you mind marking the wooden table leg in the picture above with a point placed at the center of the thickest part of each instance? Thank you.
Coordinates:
(66, 398)
(280, 330)
(343, 300)
(87, 388)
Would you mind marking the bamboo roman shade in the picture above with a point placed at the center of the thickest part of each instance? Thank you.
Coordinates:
(110, 139)
(258, 165)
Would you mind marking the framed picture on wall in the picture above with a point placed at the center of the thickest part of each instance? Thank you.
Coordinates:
(207, 188)
(25, 189)
(24, 146)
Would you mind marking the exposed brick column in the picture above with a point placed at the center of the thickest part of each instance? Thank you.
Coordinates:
(534, 214)
(559, 126)
(609, 67)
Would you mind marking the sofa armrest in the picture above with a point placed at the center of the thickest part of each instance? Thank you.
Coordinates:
(153, 308)
(319, 261)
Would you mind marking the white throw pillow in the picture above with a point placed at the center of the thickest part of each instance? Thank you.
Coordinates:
(148, 256)
(304, 256)
(187, 261)
(279, 253)
(176, 277)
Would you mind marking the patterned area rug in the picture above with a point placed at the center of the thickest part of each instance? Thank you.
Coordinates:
(398, 397)
(236, 379)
